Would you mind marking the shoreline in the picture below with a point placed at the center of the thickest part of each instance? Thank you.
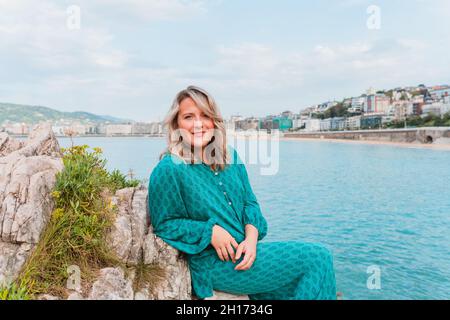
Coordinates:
(411, 145)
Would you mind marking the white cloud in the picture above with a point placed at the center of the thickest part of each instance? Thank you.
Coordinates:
(95, 68)
(412, 44)
(39, 34)
(439, 8)
(113, 59)
(251, 58)
(338, 70)
(258, 66)
(154, 9)
(354, 3)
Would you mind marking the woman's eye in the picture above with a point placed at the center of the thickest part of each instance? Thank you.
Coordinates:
(203, 115)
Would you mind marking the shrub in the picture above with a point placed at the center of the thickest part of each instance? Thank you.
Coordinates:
(76, 232)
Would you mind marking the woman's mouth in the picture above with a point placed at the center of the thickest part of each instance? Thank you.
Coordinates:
(199, 134)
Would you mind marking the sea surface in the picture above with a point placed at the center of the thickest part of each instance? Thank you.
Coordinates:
(376, 207)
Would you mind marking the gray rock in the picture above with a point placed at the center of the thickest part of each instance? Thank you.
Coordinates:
(133, 239)
(26, 203)
(47, 297)
(176, 284)
(75, 296)
(131, 224)
(142, 294)
(27, 176)
(12, 258)
(112, 285)
(220, 295)
(8, 145)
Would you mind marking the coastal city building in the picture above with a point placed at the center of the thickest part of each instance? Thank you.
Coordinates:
(247, 124)
(436, 108)
(373, 109)
(141, 128)
(279, 123)
(353, 123)
(371, 121)
(16, 128)
(312, 125)
(357, 104)
(338, 123)
(118, 129)
(376, 103)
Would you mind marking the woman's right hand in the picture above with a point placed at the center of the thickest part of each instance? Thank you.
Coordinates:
(223, 242)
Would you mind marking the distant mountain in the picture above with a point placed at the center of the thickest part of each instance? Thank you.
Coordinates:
(34, 114)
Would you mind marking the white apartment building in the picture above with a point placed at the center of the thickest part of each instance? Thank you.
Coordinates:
(312, 125)
(436, 108)
(353, 123)
(325, 125)
(118, 129)
(16, 128)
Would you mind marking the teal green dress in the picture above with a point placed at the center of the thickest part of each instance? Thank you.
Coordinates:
(187, 200)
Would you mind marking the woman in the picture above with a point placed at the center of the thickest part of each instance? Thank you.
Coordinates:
(201, 203)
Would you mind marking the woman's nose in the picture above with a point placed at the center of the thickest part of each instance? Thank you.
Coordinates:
(198, 124)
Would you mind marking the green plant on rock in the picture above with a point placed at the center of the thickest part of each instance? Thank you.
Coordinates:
(14, 292)
(78, 227)
(117, 178)
(147, 274)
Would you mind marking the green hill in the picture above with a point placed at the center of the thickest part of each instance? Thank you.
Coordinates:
(34, 114)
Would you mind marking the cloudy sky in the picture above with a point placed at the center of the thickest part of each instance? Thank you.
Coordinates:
(129, 58)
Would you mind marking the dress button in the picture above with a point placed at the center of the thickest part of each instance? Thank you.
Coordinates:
(216, 173)
(229, 203)
(224, 193)
(220, 183)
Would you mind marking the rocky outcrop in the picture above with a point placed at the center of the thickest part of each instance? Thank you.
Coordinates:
(176, 283)
(112, 284)
(27, 176)
(8, 145)
(133, 240)
(131, 224)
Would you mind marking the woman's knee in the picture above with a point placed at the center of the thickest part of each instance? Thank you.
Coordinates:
(325, 253)
(316, 253)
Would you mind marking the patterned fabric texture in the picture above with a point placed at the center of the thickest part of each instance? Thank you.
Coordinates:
(187, 200)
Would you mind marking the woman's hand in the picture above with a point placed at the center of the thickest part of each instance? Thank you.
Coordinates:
(248, 247)
(223, 242)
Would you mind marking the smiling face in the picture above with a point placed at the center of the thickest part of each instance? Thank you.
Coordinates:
(197, 127)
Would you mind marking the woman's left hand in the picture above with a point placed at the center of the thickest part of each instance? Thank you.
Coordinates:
(248, 247)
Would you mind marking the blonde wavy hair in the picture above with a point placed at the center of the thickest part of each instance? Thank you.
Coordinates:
(219, 156)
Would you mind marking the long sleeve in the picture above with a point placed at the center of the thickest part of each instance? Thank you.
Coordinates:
(168, 213)
(252, 211)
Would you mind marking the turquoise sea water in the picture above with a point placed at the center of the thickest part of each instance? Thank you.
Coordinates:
(370, 204)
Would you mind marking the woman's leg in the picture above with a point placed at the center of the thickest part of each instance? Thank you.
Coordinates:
(282, 271)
